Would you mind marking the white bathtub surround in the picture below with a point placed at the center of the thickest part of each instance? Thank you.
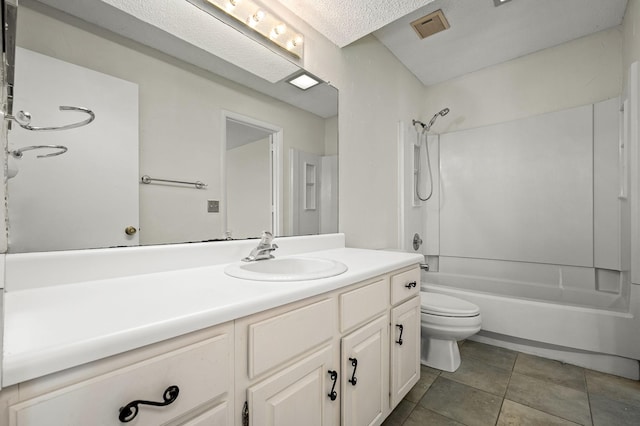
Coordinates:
(631, 133)
(156, 293)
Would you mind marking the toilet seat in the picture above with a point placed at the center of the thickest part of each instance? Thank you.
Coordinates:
(444, 305)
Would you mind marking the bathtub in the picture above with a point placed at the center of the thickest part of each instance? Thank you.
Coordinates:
(596, 330)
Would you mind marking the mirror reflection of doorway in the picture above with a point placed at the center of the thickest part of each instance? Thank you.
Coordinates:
(252, 175)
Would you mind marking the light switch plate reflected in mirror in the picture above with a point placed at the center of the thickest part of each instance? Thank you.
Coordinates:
(213, 206)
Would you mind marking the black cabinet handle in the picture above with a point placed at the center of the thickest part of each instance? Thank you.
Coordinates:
(334, 376)
(410, 285)
(130, 411)
(353, 380)
(401, 327)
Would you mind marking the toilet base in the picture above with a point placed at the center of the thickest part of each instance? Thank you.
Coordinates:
(441, 354)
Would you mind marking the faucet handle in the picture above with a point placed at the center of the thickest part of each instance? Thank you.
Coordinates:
(267, 237)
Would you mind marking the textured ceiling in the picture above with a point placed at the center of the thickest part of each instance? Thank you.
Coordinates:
(482, 35)
(344, 22)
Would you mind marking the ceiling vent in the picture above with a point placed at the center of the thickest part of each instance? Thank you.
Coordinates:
(430, 24)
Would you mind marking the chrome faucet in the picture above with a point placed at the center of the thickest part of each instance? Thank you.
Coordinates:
(264, 249)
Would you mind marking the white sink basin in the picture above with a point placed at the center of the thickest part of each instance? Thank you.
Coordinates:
(286, 269)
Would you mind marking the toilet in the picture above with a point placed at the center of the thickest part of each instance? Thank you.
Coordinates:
(444, 320)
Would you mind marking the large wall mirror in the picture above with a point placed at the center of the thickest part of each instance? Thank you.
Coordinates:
(174, 154)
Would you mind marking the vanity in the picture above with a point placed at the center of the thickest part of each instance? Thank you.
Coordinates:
(209, 348)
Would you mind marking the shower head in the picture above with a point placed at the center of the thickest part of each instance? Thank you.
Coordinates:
(441, 113)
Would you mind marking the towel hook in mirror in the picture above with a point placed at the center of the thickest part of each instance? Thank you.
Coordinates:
(17, 153)
(23, 118)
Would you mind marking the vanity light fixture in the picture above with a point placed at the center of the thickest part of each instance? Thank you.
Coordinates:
(497, 3)
(303, 81)
(260, 20)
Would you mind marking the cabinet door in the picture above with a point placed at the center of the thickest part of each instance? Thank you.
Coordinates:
(405, 349)
(298, 395)
(365, 374)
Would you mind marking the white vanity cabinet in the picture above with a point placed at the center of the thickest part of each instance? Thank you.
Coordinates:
(285, 357)
(405, 333)
(365, 353)
(326, 360)
(193, 383)
(329, 360)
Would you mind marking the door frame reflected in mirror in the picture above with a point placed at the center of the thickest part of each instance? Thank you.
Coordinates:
(275, 169)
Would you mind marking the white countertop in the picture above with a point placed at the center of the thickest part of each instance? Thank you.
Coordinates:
(53, 328)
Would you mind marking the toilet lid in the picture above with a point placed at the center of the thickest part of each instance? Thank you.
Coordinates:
(441, 304)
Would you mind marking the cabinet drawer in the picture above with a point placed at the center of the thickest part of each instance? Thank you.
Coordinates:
(201, 371)
(283, 337)
(404, 285)
(361, 304)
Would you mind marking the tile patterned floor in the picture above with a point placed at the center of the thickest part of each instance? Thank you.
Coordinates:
(496, 386)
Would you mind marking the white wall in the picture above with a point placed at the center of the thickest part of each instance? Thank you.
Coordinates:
(179, 121)
(331, 136)
(377, 93)
(329, 194)
(579, 72)
(631, 34)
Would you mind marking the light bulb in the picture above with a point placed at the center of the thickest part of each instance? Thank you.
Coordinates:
(231, 4)
(294, 42)
(257, 17)
(278, 30)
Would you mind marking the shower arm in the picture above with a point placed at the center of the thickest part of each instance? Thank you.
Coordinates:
(414, 122)
(427, 127)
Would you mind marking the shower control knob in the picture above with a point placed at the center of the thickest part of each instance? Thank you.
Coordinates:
(130, 230)
(417, 241)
